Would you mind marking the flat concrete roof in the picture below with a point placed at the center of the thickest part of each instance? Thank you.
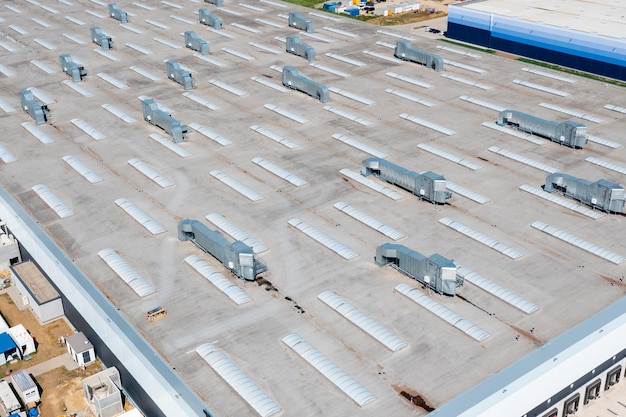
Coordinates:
(602, 17)
(36, 282)
(567, 283)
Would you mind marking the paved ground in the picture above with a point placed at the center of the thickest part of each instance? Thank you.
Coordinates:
(56, 362)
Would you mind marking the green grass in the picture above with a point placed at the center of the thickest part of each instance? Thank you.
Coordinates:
(305, 3)
(573, 72)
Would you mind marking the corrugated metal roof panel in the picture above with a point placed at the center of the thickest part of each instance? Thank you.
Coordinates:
(570, 204)
(479, 237)
(238, 234)
(332, 372)
(236, 185)
(232, 291)
(131, 277)
(339, 248)
(60, 208)
(383, 335)
(491, 287)
(280, 172)
(386, 191)
(579, 242)
(150, 172)
(244, 386)
(82, 169)
(369, 220)
(140, 216)
(466, 326)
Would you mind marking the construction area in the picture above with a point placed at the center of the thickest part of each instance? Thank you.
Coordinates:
(111, 175)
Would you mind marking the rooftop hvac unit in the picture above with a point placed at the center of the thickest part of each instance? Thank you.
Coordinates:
(71, 68)
(294, 46)
(295, 81)
(206, 18)
(297, 21)
(176, 73)
(568, 133)
(602, 194)
(405, 51)
(36, 110)
(218, 3)
(192, 41)
(118, 14)
(153, 115)
(99, 38)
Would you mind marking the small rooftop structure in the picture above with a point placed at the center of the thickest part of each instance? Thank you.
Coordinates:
(102, 391)
(8, 349)
(80, 349)
(25, 387)
(37, 291)
(23, 340)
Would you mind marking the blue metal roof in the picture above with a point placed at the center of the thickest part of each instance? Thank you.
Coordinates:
(6, 343)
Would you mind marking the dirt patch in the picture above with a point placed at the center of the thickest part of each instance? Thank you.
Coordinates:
(414, 398)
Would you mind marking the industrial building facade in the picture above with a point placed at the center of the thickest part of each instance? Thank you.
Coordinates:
(533, 34)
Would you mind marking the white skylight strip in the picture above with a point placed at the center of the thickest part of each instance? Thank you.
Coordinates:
(466, 81)
(246, 28)
(474, 196)
(571, 112)
(450, 157)
(7, 47)
(143, 6)
(360, 146)
(524, 160)
(386, 191)
(236, 233)
(95, 14)
(119, 113)
(138, 48)
(38, 133)
(266, 48)
(41, 96)
(145, 73)
(541, 88)
(210, 60)
(6, 107)
(45, 44)
(74, 38)
(549, 75)
(232, 291)
(182, 19)
(210, 134)
(221, 32)
(88, 129)
(6, 155)
(251, 7)
(161, 180)
(238, 54)
(464, 66)
(282, 6)
(131, 28)
(579, 242)
(613, 107)
(6, 71)
(41, 22)
(329, 370)
(112, 80)
(167, 42)
(140, 216)
(352, 96)
(174, 147)
(602, 141)
(382, 335)
(408, 79)
(269, 84)
(322, 16)
(43, 66)
(286, 113)
(482, 103)
(13, 8)
(231, 89)
(348, 115)
(382, 56)
(157, 24)
(279, 172)
(514, 132)
(277, 68)
(410, 97)
(386, 44)
(59, 207)
(458, 51)
(229, 11)
(174, 5)
(273, 136)
(345, 59)
(49, 9)
(481, 238)
(281, 39)
(201, 101)
(341, 32)
(428, 124)
(106, 54)
(316, 37)
(395, 35)
(563, 202)
(98, 2)
(238, 381)
(496, 290)
(443, 312)
(269, 23)
(369, 220)
(131, 277)
(605, 164)
(236, 185)
(322, 238)
(82, 169)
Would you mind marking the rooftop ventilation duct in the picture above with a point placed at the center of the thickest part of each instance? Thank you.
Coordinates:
(36, 110)
(568, 133)
(192, 41)
(295, 81)
(295, 47)
(100, 38)
(71, 68)
(297, 21)
(405, 51)
(206, 18)
(118, 14)
(153, 115)
(602, 194)
(178, 74)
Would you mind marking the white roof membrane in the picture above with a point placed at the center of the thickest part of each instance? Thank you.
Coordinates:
(131, 277)
(339, 248)
(238, 381)
(59, 207)
(236, 233)
(332, 372)
(384, 336)
(231, 290)
(150, 172)
(443, 312)
(140, 216)
(82, 169)
(369, 220)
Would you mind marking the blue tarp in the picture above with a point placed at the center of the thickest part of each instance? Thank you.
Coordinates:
(6, 343)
